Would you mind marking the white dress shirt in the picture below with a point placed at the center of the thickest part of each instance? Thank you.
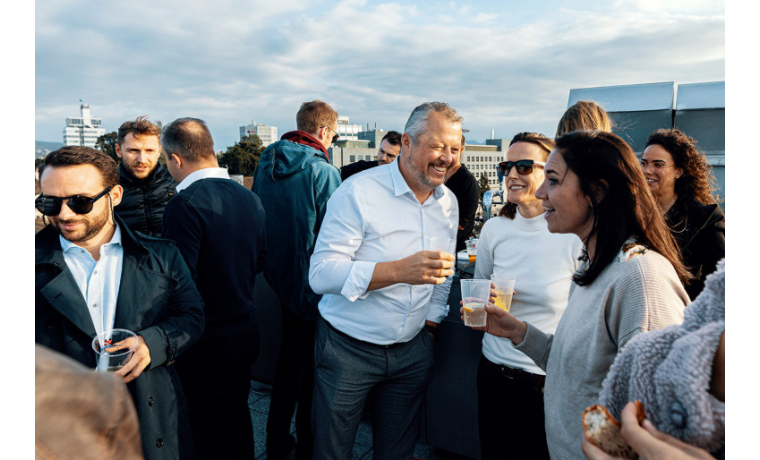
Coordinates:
(205, 173)
(99, 280)
(375, 217)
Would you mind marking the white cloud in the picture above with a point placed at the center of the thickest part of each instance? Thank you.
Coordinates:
(238, 61)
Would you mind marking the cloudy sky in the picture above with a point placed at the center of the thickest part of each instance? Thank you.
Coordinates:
(504, 65)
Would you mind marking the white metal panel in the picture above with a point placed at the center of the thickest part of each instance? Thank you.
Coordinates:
(628, 98)
(711, 95)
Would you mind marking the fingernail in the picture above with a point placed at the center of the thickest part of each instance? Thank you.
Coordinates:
(647, 423)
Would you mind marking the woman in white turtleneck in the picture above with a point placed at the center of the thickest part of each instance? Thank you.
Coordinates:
(517, 244)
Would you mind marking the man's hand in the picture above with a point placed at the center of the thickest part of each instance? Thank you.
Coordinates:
(502, 324)
(424, 267)
(649, 443)
(137, 363)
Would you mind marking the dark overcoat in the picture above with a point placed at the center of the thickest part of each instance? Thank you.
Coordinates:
(157, 300)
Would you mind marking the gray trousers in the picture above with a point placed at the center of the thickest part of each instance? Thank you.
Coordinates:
(346, 370)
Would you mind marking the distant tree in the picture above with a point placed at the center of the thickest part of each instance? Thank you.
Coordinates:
(107, 144)
(243, 157)
(39, 162)
(483, 182)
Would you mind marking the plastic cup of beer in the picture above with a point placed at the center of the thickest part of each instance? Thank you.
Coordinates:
(504, 289)
(475, 295)
(472, 249)
(113, 348)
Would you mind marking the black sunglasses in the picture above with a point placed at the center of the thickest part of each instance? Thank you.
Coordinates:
(336, 136)
(51, 205)
(524, 167)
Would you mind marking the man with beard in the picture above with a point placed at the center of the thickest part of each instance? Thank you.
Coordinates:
(147, 185)
(93, 274)
(384, 290)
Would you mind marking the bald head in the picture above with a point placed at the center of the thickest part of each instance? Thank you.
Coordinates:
(188, 138)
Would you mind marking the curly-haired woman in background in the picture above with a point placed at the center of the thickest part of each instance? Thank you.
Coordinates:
(683, 184)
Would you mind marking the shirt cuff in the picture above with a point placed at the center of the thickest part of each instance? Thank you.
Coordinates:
(536, 345)
(355, 287)
(436, 313)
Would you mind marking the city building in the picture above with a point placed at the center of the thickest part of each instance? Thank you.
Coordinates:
(83, 130)
(346, 130)
(267, 134)
(347, 151)
(481, 159)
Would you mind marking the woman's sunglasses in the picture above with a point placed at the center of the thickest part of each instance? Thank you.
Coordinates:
(524, 167)
(51, 205)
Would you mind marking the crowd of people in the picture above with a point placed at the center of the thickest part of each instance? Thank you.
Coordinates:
(608, 251)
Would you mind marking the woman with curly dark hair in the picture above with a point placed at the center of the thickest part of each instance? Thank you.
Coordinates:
(683, 184)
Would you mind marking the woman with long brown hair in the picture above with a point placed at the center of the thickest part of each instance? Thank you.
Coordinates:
(630, 280)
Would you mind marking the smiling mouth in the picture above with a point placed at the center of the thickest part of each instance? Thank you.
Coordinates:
(516, 187)
(440, 169)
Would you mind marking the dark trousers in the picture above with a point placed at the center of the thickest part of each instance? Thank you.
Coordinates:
(346, 370)
(293, 381)
(216, 378)
(510, 414)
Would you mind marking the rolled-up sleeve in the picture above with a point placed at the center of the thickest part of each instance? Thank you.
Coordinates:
(333, 269)
(439, 299)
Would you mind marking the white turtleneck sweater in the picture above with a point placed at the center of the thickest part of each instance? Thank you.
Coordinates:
(542, 264)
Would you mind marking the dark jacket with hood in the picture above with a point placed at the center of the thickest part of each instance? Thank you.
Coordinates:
(700, 231)
(143, 202)
(294, 182)
(157, 300)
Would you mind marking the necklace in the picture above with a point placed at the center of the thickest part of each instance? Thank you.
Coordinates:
(667, 207)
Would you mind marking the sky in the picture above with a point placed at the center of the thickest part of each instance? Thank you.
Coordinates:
(506, 66)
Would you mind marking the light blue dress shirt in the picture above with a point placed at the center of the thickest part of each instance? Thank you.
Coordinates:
(99, 280)
(375, 217)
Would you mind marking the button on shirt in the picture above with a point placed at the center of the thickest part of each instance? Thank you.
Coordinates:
(375, 217)
(97, 280)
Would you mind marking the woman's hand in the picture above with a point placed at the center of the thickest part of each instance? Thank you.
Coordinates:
(502, 324)
(649, 443)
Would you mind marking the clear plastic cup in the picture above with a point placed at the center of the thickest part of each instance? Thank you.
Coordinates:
(475, 295)
(504, 289)
(113, 348)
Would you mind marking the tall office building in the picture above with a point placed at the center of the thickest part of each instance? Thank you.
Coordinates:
(267, 134)
(83, 130)
(481, 159)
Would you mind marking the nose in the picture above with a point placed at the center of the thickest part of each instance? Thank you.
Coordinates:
(541, 191)
(448, 156)
(66, 212)
(512, 173)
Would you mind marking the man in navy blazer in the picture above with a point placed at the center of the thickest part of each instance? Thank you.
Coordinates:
(93, 274)
(218, 226)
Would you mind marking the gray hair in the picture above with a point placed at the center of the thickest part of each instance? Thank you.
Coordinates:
(417, 123)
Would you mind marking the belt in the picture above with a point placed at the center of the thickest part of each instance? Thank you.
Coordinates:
(343, 334)
(515, 374)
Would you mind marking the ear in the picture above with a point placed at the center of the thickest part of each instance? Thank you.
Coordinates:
(177, 160)
(116, 193)
(600, 190)
(118, 150)
(679, 173)
(406, 142)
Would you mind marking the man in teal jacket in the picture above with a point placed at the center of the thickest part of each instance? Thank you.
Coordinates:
(294, 181)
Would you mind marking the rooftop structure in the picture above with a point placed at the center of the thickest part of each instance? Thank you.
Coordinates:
(83, 130)
(267, 134)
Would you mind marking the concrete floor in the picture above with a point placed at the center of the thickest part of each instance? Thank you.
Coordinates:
(258, 402)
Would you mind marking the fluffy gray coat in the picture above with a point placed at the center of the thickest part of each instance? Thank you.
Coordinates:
(669, 372)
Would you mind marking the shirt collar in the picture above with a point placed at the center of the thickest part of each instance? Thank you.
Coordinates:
(400, 186)
(205, 173)
(115, 239)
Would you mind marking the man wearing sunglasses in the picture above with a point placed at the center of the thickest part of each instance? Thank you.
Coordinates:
(93, 274)
(294, 181)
